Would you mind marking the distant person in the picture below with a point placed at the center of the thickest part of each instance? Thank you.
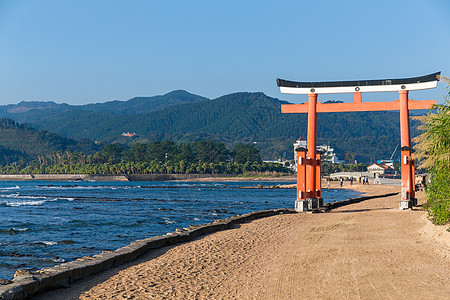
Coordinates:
(341, 181)
(367, 180)
(351, 180)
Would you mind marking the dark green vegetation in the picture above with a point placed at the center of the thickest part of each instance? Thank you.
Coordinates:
(19, 143)
(232, 119)
(158, 157)
(433, 148)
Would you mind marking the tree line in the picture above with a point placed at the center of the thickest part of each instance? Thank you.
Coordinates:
(158, 157)
(10, 123)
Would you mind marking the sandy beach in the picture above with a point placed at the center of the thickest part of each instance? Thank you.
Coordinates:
(368, 250)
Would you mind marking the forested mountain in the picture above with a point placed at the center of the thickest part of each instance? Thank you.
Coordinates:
(34, 111)
(145, 104)
(20, 142)
(256, 118)
(235, 118)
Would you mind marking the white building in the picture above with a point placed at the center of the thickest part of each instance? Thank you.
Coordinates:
(380, 169)
(328, 154)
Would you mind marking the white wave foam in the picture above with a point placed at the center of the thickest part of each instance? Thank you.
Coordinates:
(46, 243)
(51, 187)
(24, 203)
(85, 187)
(31, 197)
(19, 196)
(20, 229)
(30, 200)
(15, 195)
(11, 188)
(62, 198)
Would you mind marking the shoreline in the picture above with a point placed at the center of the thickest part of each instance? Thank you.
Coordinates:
(359, 250)
(63, 275)
(92, 287)
(142, 177)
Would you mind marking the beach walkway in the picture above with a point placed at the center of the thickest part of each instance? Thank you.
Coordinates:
(367, 250)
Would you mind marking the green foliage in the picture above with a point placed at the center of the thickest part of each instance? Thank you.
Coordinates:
(210, 151)
(158, 157)
(233, 119)
(243, 153)
(433, 148)
(438, 195)
(111, 153)
(350, 157)
(21, 142)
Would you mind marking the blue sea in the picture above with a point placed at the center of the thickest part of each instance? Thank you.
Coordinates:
(46, 223)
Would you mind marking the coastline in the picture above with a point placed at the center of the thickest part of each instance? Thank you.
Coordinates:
(245, 261)
(61, 177)
(142, 177)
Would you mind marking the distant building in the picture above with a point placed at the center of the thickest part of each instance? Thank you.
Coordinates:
(328, 154)
(280, 162)
(380, 169)
(129, 134)
(300, 143)
(386, 162)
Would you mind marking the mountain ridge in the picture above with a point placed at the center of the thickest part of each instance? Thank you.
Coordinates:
(29, 111)
(242, 117)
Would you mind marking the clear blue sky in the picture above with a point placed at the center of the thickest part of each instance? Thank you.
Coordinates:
(83, 51)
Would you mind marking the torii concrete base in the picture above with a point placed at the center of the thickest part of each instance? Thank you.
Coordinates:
(301, 205)
(308, 204)
(407, 204)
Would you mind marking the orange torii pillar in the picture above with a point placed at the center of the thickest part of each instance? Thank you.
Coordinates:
(407, 156)
(308, 165)
(308, 161)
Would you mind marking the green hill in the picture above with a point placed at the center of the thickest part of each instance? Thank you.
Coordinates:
(19, 142)
(145, 104)
(35, 111)
(235, 118)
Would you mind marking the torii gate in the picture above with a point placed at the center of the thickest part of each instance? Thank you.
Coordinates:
(308, 160)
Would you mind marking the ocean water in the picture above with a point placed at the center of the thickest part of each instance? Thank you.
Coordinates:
(46, 223)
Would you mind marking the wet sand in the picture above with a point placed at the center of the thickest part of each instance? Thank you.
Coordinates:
(364, 250)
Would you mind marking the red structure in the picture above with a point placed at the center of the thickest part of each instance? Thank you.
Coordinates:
(308, 161)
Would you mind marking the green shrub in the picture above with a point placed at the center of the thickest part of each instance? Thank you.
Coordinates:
(433, 150)
(438, 196)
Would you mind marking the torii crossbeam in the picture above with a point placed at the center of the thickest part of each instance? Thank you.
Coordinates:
(308, 160)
